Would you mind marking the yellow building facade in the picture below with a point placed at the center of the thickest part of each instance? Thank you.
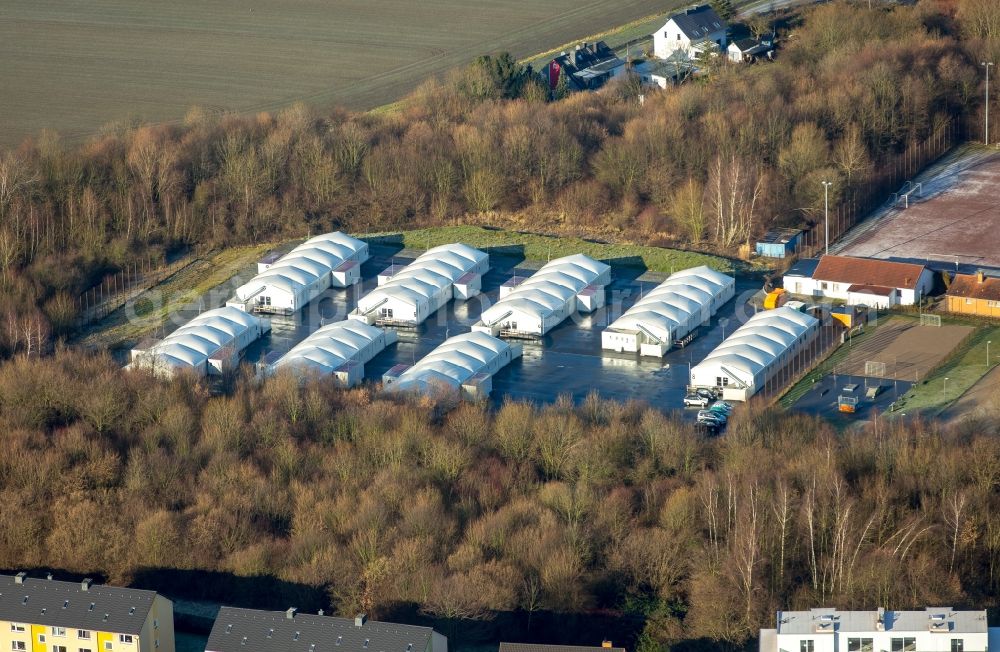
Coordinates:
(44, 615)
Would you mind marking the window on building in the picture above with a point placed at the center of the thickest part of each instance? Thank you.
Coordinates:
(968, 302)
(83, 633)
(957, 645)
(107, 645)
(86, 649)
(807, 645)
(59, 631)
(823, 285)
(860, 645)
(18, 645)
(904, 644)
(58, 648)
(678, 37)
(156, 624)
(41, 638)
(16, 627)
(125, 638)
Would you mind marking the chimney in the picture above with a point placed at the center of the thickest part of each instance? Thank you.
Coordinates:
(290, 613)
(19, 578)
(85, 584)
(880, 621)
(321, 612)
(606, 644)
(980, 276)
(48, 576)
(360, 620)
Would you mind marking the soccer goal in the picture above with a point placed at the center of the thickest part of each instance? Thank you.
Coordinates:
(930, 320)
(875, 368)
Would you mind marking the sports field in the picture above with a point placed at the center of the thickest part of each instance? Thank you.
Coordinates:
(903, 349)
(952, 218)
(74, 66)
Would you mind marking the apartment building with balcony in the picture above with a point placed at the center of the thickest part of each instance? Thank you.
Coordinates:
(934, 629)
(46, 615)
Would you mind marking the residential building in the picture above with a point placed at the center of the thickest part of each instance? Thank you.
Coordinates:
(974, 294)
(692, 32)
(587, 67)
(748, 50)
(868, 281)
(779, 243)
(537, 647)
(252, 630)
(934, 629)
(46, 615)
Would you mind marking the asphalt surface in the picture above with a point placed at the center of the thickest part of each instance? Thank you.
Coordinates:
(821, 399)
(567, 361)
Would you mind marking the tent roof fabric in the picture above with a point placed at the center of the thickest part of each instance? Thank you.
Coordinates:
(674, 302)
(453, 363)
(758, 342)
(547, 290)
(330, 347)
(427, 275)
(195, 342)
(304, 264)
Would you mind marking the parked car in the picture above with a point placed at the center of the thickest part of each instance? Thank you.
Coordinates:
(692, 400)
(708, 416)
(710, 394)
(722, 408)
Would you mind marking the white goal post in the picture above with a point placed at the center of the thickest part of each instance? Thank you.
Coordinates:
(875, 368)
(930, 320)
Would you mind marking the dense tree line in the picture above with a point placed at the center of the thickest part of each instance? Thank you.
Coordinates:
(710, 163)
(467, 513)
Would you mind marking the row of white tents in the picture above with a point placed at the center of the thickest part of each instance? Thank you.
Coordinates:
(528, 307)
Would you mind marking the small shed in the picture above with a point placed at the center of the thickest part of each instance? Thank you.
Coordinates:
(779, 243)
(875, 296)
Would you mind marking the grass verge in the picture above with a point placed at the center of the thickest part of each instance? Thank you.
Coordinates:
(963, 369)
(534, 246)
(151, 309)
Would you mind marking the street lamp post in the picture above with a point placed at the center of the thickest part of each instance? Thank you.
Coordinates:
(945, 392)
(988, 342)
(826, 213)
(987, 64)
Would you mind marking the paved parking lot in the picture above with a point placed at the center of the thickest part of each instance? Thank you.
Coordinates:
(567, 361)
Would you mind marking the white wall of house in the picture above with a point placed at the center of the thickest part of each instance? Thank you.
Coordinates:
(669, 39)
(811, 287)
(873, 300)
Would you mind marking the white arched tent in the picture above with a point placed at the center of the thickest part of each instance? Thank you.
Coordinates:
(288, 284)
(417, 291)
(757, 350)
(670, 312)
(340, 349)
(547, 297)
(462, 364)
(207, 344)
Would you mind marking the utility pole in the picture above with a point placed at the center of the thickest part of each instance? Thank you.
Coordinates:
(826, 212)
(986, 135)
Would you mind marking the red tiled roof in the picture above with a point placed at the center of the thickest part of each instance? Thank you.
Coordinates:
(868, 271)
(969, 287)
(880, 290)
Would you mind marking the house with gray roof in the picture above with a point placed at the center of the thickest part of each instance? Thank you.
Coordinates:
(253, 630)
(47, 614)
(692, 32)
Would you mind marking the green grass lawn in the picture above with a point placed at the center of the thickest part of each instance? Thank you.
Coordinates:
(963, 369)
(542, 247)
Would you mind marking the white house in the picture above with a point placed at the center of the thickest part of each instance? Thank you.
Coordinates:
(696, 30)
(745, 50)
(934, 629)
(867, 281)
